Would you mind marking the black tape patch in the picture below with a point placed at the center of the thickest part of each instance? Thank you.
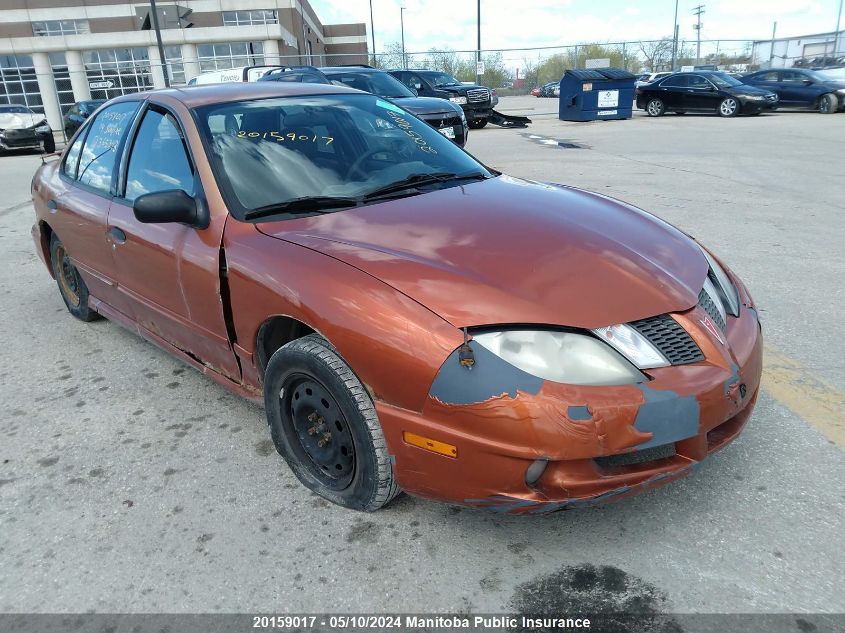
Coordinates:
(489, 377)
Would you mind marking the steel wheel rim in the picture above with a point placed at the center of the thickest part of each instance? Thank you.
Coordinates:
(728, 106)
(67, 276)
(318, 431)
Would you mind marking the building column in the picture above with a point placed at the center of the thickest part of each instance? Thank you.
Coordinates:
(78, 76)
(271, 52)
(156, 67)
(47, 88)
(190, 61)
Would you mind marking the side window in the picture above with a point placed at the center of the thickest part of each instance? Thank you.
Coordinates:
(158, 161)
(697, 81)
(772, 75)
(72, 157)
(99, 154)
(415, 82)
(678, 81)
(791, 76)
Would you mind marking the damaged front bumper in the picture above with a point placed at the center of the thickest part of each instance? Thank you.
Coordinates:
(545, 447)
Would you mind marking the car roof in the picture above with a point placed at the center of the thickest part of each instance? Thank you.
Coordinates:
(205, 94)
(346, 69)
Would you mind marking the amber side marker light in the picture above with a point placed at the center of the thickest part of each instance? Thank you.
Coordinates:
(428, 444)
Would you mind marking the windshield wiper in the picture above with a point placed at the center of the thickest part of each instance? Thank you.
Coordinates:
(310, 204)
(414, 181)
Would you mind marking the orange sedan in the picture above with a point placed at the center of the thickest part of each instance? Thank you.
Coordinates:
(410, 318)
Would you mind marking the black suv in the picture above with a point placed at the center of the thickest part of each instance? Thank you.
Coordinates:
(443, 116)
(477, 101)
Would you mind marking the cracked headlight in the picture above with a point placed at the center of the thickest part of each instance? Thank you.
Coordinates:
(729, 295)
(567, 357)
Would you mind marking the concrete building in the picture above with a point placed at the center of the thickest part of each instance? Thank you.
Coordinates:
(56, 52)
(786, 52)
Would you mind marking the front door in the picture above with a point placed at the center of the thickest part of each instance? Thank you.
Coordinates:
(794, 89)
(169, 272)
(701, 94)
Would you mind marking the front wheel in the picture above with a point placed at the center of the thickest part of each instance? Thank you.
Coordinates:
(655, 107)
(49, 145)
(728, 107)
(324, 424)
(827, 104)
(477, 124)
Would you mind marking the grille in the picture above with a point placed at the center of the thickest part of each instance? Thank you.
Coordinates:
(637, 457)
(478, 95)
(438, 121)
(669, 338)
(706, 302)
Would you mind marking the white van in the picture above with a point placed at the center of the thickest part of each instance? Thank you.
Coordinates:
(242, 73)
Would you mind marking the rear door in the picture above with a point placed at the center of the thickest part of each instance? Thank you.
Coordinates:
(671, 91)
(80, 212)
(169, 272)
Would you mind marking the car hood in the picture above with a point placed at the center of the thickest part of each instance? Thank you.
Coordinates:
(14, 121)
(506, 250)
(425, 105)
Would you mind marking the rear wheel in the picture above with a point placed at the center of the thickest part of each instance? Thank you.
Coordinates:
(71, 286)
(728, 107)
(477, 124)
(324, 424)
(827, 104)
(655, 107)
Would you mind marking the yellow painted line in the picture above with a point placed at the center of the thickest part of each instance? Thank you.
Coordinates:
(801, 390)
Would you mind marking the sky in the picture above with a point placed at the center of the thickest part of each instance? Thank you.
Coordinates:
(532, 23)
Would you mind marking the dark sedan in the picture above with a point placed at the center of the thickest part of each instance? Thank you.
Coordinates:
(802, 88)
(703, 91)
(77, 114)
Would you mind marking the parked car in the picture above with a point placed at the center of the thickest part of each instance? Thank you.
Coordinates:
(535, 92)
(548, 89)
(319, 250)
(239, 74)
(703, 91)
(300, 74)
(802, 88)
(21, 128)
(477, 101)
(446, 117)
(77, 114)
(648, 78)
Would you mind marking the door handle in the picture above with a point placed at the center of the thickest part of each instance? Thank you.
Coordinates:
(117, 235)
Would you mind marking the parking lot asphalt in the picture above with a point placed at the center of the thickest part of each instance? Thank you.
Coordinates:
(131, 483)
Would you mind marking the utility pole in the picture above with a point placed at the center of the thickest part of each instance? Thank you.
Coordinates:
(836, 32)
(478, 51)
(674, 37)
(402, 26)
(772, 53)
(698, 11)
(373, 32)
(154, 17)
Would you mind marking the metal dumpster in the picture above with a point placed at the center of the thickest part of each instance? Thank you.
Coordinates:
(592, 95)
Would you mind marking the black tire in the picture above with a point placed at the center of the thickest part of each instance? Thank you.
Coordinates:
(728, 107)
(71, 285)
(312, 395)
(828, 104)
(655, 107)
(477, 124)
(49, 145)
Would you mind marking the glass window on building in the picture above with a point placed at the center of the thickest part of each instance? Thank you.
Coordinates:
(60, 27)
(224, 56)
(18, 83)
(249, 18)
(62, 78)
(175, 64)
(118, 71)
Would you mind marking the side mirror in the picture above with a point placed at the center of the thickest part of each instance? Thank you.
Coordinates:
(173, 205)
(711, 88)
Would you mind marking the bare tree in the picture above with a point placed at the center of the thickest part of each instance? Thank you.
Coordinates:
(657, 53)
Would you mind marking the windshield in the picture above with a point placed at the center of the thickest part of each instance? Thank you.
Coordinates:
(442, 79)
(329, 148)
(378, 83)
(9, 109)
(723, 80)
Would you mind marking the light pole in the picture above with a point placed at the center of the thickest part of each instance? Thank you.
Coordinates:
(154, 17)
(373, 32)
(674, 37)
(402, 26)
(478, 51)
